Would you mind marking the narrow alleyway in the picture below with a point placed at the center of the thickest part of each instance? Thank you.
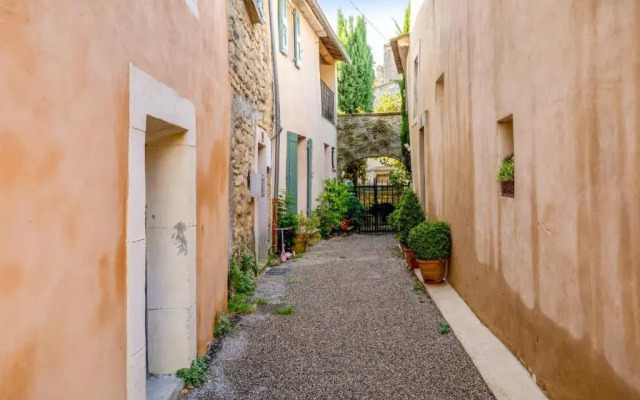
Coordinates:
(358, 331)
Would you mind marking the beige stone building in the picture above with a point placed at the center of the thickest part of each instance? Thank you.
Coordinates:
(252, 125)
(553, 271)
(114, 169)
(305, 145)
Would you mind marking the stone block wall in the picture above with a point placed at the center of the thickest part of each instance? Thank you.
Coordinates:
(252, 83)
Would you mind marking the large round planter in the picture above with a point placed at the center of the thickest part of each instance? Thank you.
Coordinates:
(410, 258)
(300, 243)
(432, 270)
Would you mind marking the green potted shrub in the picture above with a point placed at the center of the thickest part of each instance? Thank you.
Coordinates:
(304, 229)
(431, 244)
(355, 211)
(332, 206)
(409, 215)
(286, 218)
(506, 176)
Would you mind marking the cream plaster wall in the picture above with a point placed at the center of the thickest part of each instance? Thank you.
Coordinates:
(553, 271)
(301, 107)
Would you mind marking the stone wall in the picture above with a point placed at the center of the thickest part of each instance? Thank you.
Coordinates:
(368, 135)
(252, 82)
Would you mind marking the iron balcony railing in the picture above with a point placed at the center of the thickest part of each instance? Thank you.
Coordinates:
(328, 102)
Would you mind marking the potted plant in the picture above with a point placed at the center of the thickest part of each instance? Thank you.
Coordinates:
(409, 215)
(355, 212)
(304, 229)
(332, 206)
(431, 244)
(506, 176)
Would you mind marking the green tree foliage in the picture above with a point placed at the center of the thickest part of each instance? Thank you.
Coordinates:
(507, 169)
(333, 206)
(389, 103)
(409, 216)
(356, 171)
(355, 80)
(406, 25)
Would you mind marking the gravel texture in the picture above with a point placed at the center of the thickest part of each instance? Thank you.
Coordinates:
(359, 331)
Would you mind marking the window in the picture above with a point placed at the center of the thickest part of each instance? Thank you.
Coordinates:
(328, 102)
(506, 156)
(416, 76)
(297, 39)
(333, 158)
(284, 26)
(255, 9)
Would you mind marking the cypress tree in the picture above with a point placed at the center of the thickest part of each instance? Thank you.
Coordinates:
(355, 80)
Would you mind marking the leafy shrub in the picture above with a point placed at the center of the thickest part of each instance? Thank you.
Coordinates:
(355, 210)
(307, 226)
(287, 217)
(409, 216)
(195, 375)
(239, 281)
(333, 205)
(223, 325)
(431, 240)
(507, 169)
(238, 305)
(248, 263)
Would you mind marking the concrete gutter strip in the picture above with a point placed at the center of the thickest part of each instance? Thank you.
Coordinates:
(507, 378)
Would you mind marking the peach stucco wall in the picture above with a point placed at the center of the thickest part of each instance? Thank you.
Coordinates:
(64, 103)
(554, 272)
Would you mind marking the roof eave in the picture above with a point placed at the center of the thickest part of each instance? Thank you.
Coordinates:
(400, 47)
(327, 35)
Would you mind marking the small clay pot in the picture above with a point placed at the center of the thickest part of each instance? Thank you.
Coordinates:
(432, 270)
(508, 188)
(300, 243)
(410, 258)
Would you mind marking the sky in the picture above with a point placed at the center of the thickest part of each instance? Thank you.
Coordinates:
(379, 12)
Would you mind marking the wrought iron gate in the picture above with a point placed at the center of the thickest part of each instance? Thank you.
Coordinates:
(380, 201)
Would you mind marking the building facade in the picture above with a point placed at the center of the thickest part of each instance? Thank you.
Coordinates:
(305, 147)
(252, 126)
(553, 270)
(114, 168)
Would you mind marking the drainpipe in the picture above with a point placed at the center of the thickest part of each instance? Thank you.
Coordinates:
(277, 127)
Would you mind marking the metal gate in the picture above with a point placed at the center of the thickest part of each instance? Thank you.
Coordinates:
(379, 201)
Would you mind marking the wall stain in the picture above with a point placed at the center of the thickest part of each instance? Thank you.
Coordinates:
(180, 238)
(17, 372)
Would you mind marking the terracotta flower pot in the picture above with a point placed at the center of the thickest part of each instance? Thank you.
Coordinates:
(508, 188)
(432, 270)
(410, 258)
(345, 224)
(300, 243)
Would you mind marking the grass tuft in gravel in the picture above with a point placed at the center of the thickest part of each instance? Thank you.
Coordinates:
(417, 286)
(285, 310)
(238, 304)
(444, 328)
(260, 302)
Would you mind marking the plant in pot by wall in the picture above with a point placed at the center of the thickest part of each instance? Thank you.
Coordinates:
(332, 206)
(304, 229)
(286, 218)
(410, 214)
(506, 176)
(431, 244)
(355, 211)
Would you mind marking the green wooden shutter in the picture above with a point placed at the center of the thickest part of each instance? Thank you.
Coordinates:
(292, 170)
(309, 177)
(297, 39)
(282, 22)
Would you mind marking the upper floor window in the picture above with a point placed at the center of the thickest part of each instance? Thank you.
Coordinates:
(328, 102)
(193, 6)
(297, 39)
(283, 23)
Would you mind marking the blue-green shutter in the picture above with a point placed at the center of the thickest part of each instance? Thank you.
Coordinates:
(309, 176)
(297, 42)
(292, 170)
(283, 26)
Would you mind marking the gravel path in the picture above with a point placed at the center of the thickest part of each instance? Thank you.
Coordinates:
(359, 331)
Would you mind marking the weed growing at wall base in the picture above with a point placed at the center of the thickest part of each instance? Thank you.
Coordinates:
(444, 328)
(194, 376)
(285, 310)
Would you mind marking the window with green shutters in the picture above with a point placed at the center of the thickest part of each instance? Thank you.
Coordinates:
(297, 42)
(283, 24)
